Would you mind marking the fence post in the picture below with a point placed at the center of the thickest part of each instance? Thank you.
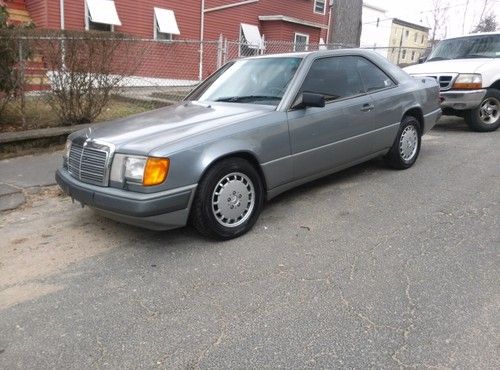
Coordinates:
(220, 46)
(22, 66)
(224, 53)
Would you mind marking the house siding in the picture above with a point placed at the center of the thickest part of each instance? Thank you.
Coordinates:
(137, 17)
(163, 59)
(227, 21)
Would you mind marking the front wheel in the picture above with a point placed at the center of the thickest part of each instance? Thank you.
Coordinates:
(486, 117)
(406, 147)
(228, 200)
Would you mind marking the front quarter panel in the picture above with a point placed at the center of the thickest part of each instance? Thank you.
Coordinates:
(265, 138)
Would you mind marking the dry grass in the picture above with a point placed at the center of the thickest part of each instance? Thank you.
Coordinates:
(38, 113)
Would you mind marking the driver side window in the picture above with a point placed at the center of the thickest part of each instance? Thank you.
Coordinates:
(334, 78)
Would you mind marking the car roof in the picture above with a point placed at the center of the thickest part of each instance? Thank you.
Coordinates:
(355, 51)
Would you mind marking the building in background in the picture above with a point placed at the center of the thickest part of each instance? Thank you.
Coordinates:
(399, 41)
(408, 42)
(17, 11)
(303, 21)
(376, 29)
(228, 29)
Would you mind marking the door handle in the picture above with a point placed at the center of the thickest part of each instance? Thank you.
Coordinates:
(367, 107)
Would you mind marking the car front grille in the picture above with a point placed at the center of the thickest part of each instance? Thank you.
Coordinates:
(445, 81)
(88, 163)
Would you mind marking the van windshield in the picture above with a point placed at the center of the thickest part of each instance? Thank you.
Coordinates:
(483, 46)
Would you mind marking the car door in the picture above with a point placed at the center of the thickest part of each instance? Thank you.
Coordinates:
(326, 138)
(386, 114)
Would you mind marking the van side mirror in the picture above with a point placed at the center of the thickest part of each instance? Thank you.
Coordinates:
(421, 60)
(307, 99)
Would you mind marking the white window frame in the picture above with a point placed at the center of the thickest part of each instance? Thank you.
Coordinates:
(87, 20)
(241, 43)
(324, 7)
(295, 40)
(156, 31)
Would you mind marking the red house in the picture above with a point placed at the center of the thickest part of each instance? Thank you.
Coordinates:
(196, 19)
(250, 26)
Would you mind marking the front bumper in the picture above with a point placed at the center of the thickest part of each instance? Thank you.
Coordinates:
(462, 100)
(156, 211)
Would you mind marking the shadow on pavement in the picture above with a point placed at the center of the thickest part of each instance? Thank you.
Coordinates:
(455, 124)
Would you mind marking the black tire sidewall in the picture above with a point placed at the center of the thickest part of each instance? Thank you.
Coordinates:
(473, 119)
(205, 190)
(394, 155)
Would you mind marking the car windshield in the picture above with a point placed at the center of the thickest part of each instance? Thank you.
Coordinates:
(485, 46)
(254, 81)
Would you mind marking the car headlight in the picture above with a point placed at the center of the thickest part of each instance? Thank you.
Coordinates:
(67, 149)
(147, 171)
(468, 81)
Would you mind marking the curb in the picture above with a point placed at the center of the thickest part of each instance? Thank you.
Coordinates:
(10, 197)
(20, 136)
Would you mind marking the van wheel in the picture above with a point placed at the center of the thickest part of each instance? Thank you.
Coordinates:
(228, 200)
(486, 117)
(406, 147)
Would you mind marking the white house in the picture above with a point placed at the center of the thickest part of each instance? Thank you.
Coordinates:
(376, 29)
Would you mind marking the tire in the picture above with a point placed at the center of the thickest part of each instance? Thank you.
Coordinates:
(406, 147)
(486, 117)
(228, 189)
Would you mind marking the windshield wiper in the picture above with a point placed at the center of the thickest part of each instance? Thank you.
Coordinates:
(473, 56)
(236, 99)
(437, 58)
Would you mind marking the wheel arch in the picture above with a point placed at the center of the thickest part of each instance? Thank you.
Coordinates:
(247, 155)
(495, 85)
(418, 114)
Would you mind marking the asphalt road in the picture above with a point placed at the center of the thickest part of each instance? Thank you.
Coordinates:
(370, 267)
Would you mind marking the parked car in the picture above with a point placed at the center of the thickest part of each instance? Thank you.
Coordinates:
(468, 71)
(256, 128)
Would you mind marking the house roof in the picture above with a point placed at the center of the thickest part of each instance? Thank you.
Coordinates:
(286, 18)
(410, 24)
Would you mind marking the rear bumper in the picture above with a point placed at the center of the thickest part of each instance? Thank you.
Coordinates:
(462, 100)
(430, 119)
(156, 211)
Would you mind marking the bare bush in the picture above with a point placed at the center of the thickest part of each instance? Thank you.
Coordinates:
(84, 69)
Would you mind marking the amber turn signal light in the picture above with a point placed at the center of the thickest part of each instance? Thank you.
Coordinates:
(468, 81)
(467, 86)
(156, 171)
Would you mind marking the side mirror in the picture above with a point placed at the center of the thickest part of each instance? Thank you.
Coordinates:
(421, 60)
(307, 99)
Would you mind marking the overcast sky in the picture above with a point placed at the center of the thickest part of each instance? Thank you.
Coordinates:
(420, 11)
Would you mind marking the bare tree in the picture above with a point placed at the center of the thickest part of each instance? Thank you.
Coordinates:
(84, 69)
(465, 16)
(487, 24)
(483, 10)
(438, 19)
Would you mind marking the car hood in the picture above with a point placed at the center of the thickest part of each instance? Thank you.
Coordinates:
(450, 66)
(142, 133)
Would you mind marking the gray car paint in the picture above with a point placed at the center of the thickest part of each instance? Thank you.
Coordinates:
(290, 146)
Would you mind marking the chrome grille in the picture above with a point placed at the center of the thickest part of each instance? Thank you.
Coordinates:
(445, 81)
(88, 164)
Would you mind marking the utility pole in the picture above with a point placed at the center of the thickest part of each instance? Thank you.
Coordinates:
(345, 24)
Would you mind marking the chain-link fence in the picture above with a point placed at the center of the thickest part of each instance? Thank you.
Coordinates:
(70, 78)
